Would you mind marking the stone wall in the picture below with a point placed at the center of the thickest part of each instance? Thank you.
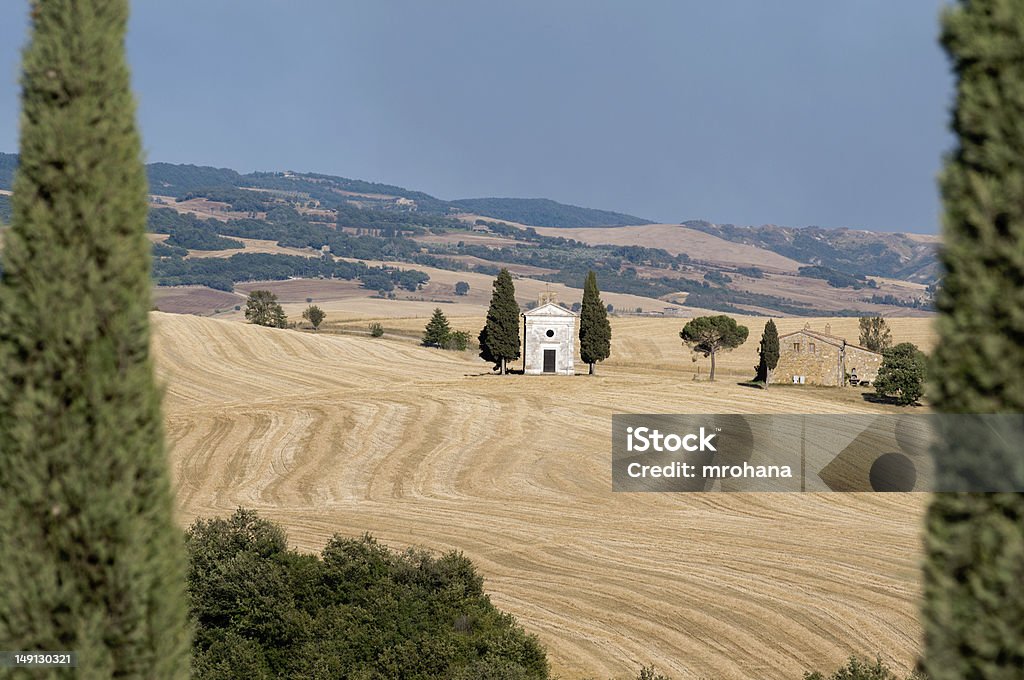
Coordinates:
(865, 363)
(818, 361)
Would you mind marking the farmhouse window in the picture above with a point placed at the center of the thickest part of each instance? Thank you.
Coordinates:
(812, 348)
(796, 346)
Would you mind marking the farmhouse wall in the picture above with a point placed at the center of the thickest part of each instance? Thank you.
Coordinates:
(801, 354)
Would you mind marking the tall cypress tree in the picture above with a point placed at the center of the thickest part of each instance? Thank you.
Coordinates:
(500, 337)
(92, 560)
(768, 352)
(595, 330)
(974, 603)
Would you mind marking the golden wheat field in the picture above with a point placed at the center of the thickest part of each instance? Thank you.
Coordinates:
(342, 433)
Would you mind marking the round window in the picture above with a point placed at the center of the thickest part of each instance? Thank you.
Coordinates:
(550, 333)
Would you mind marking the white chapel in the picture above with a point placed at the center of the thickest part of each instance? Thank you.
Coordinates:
(549, 334)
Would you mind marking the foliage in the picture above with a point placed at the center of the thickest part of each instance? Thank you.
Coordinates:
(874, 333)
(437, 331)
(768, 352)
(5, 210)
(376, 329)
(314, 315)
(974, 605)
(849, 251)
(542, 212)
(649, 673)
(461, 288)
(892, 300)
(358, 610)
(499, 340)
(92, 560)
(862, 669)
(8, 166)
(711, 334)
(718, 278)
(457, 341)
(263, 309)
(595, 330)
(902, 374)
(835, 278)
(163, 250)
(201, 238)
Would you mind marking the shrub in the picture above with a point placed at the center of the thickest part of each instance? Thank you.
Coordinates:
(358, 609)
(376, 330)
(457, 340)
(902, 374)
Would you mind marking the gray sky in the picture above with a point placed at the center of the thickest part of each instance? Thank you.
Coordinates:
(794, 112)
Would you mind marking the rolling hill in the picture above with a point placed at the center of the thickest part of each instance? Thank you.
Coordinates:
(323, 226)
(334, 433)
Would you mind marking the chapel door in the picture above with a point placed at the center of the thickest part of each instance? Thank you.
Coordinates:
(549, 361)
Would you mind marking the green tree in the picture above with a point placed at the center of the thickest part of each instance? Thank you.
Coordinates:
(92, 560)
(499, 341)
(461, 288)
(974, 543)
(262, 309)
(875, 334)
(457, 341)
(711, 334)
(595, 330)
(768, 352)
(437, 331)
(314, 315)
(902, 374)
(376, 329)
(357, 610)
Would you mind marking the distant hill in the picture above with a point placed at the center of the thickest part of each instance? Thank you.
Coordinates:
(542, 212)
(180, 181)
(851, 251)
(386, 238)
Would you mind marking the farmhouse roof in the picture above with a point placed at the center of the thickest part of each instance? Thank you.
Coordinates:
(827, 338)
(549, 309)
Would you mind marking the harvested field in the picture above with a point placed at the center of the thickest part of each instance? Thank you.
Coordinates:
(329, 433)
(194, 299)
(679, 239)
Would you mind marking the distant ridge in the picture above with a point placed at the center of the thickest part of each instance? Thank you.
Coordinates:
(178, 180)
(543, 212)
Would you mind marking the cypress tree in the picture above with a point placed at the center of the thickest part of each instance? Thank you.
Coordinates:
(595, 330)
(768, 351)
(974, 603)
(92, 560)
(437, 332)
(499, 340)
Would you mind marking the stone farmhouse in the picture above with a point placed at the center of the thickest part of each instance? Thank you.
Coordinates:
(549, 332)
(819, 358)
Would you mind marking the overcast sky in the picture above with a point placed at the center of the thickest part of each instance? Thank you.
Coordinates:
(795, 112)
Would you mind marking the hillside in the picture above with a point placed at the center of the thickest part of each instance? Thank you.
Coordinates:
(900, 256)
(220, 228)
(327, 433)
(543, 212)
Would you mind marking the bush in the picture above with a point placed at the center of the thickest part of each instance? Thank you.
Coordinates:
(902, 374)
(457, 340)
(376, 330)
(358, 609)
(861, 669)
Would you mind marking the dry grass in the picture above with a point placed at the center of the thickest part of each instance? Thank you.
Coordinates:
(678, 239)
(420, 447)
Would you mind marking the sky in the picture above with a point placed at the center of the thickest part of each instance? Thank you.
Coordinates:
(798, 112)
